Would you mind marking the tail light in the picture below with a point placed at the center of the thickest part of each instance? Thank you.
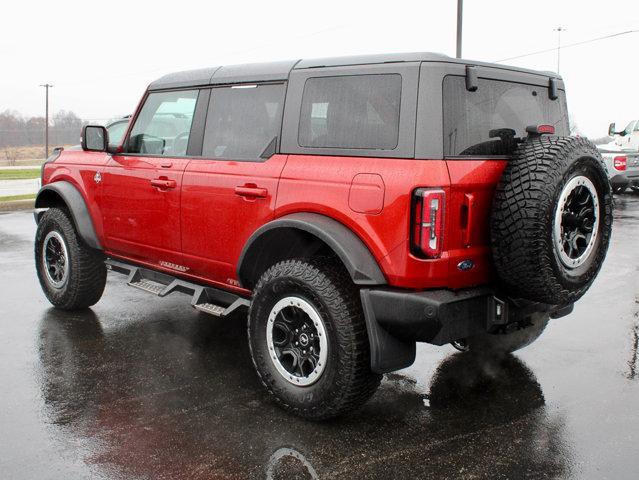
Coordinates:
(428, 222)
(620, 163)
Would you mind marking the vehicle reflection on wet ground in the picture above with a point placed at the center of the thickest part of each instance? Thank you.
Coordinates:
(140, 387)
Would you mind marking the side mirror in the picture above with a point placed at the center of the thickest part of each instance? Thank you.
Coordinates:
(95, 138)
(612, 131)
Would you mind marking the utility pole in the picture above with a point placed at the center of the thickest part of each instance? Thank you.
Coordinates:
(46, 120)
(559, 30)
(460, 8)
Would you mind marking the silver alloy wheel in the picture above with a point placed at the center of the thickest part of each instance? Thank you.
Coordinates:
(55, 259)
(576, 222)
(297, 341)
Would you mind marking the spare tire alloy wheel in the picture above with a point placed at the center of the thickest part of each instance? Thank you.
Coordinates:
(551, 220)
(297, 341)
(55, 259)
(576, 222)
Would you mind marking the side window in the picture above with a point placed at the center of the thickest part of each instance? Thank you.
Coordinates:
(242, 121)
(489, 120)
(116, 132)
(164, 124)
(353, 111)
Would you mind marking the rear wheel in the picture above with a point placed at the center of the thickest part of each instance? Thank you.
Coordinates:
(72, 275)
(308, 339)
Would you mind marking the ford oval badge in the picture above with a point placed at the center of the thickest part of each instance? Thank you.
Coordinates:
(465, 265)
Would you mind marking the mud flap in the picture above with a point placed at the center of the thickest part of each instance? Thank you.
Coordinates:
(388, 353)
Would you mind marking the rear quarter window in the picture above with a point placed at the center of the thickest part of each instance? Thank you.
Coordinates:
(487, 121)
(351, 112)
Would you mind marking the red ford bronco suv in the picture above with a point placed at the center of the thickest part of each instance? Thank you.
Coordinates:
(352, 206)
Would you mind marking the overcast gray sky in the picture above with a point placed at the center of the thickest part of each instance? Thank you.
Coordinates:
(101, 55)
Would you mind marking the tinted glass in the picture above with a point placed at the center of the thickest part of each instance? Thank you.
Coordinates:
(242, 121)
(164, 124)
(116, 132)
(488, 121)
(355, 111)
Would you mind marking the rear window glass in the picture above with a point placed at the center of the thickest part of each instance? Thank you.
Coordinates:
(242, 121)
(354, 111)
(487, 121)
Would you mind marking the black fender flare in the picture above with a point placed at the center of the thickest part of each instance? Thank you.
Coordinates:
(349, 248)
(74, 201)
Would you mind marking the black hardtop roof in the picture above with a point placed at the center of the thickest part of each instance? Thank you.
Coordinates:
(277, 71)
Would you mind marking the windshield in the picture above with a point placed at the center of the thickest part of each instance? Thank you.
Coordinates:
(489, 120)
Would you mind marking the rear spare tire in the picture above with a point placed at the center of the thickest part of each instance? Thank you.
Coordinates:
(551, 219)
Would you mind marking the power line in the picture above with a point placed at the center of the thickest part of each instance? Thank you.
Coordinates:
(567, 46)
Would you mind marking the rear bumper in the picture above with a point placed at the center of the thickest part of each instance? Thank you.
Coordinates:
(396, 319)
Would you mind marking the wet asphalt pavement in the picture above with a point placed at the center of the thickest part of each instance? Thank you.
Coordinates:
(141, 387)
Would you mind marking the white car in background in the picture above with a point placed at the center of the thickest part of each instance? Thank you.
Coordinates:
(628, 138)
(622, 165)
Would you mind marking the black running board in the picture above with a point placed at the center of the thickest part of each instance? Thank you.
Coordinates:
(205, 299)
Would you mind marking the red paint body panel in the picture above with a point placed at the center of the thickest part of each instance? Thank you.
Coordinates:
(140, 220)
(366, 194)
(79, 168)
(219, 212)
(386, 234)
(204, 222)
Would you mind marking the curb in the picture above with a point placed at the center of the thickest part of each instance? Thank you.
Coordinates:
(17, 205)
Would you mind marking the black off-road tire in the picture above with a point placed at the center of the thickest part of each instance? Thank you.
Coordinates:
(86, 269)
(347, 381)
(526, 200)
(497, 344)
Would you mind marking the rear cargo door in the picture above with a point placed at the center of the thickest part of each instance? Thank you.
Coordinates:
(481, 125)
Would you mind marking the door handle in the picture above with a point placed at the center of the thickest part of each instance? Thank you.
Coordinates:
(251, 191)
(163, 183)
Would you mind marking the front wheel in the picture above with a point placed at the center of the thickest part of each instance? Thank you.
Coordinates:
(72, 275)
(308, 339)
